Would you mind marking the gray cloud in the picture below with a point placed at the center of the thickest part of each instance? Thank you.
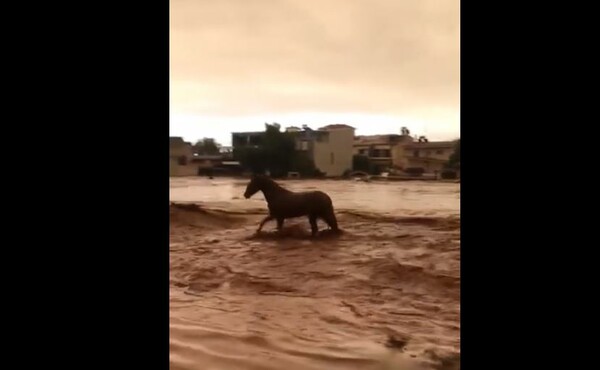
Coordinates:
(244, 57)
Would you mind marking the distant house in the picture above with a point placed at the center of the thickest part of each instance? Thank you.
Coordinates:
(215, 164)
(180, 158)
(184, 162)
(384, 151)
(332, 154)
(247, 139)
(431, 156)
(329, 147)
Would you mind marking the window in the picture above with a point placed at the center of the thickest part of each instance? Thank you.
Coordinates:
(386, 153)
(439, 152)
(416, 153)
(332, 158)
(302, 145)
(182, 160)
(323, 138)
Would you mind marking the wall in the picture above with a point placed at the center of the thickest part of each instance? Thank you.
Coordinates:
(432, 153)
(399, 153)
(340, 143)
(175, 169)
(181, 150)
(429, 164)
(430, 158)
(394, 143)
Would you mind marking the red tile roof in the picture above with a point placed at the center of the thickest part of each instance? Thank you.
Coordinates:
(334, 126)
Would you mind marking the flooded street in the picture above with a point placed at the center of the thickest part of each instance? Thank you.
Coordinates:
(383, 295)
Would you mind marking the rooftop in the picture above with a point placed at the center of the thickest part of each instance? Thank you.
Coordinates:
(249, 133)
(177, 142)
(374, 138)
(336, 126)
(431, 145)
(379, 139)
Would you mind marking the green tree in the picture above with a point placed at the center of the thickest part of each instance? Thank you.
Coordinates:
(251, 158)
(277, 154)
(206, 146)
(302, 164)
(279, 150)
(361, 163)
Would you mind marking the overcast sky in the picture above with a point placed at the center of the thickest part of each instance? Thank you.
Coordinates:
(377, 65)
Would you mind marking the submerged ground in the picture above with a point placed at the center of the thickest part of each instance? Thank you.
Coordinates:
(383, 295)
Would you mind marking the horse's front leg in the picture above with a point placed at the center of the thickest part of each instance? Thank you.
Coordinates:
(266, 219)
(280, 223)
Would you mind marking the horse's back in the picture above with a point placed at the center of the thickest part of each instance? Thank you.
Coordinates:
(300, 204)
(318, 198)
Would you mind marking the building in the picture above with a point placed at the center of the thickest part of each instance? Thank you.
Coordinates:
(226, 152)
(247, 139)
(219, 164)
(184, 162)
(180, 158)
(330, 147)
(385, 152)
(431, 156)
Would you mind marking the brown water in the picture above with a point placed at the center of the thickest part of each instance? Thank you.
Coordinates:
(383, 295)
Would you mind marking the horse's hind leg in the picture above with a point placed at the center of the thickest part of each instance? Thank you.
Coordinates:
(266, 219)
(331, 220)
(280, 223)
(313, 224)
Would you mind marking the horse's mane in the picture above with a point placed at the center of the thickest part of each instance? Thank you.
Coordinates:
(268, 183)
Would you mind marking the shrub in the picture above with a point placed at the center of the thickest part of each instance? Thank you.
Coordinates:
(415, 171)
(449, 174)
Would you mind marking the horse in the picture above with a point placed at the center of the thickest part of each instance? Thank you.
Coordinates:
(283, 203)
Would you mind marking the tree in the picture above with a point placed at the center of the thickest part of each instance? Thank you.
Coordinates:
(361, 163)
(206, 146)
(277, 154)
(279, 150)
(302, 164)
(454, 160)
(251, 158)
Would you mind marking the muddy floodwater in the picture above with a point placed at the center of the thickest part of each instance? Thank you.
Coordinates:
(385, 294)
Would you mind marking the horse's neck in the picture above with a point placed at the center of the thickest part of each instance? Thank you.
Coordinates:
(272, 191)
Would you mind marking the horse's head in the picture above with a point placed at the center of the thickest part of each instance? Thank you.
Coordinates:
(254, 186)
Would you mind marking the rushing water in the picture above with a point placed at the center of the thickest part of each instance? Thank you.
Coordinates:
(383, 295)
(390, 198)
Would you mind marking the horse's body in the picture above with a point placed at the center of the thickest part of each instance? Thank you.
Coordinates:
(284, 204)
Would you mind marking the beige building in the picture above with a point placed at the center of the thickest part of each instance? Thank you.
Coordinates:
(333, 154)
(180, 158)
(385, 152)
(431, 156)
(330, 147)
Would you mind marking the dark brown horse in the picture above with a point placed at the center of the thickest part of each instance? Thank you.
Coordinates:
(284, 204)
